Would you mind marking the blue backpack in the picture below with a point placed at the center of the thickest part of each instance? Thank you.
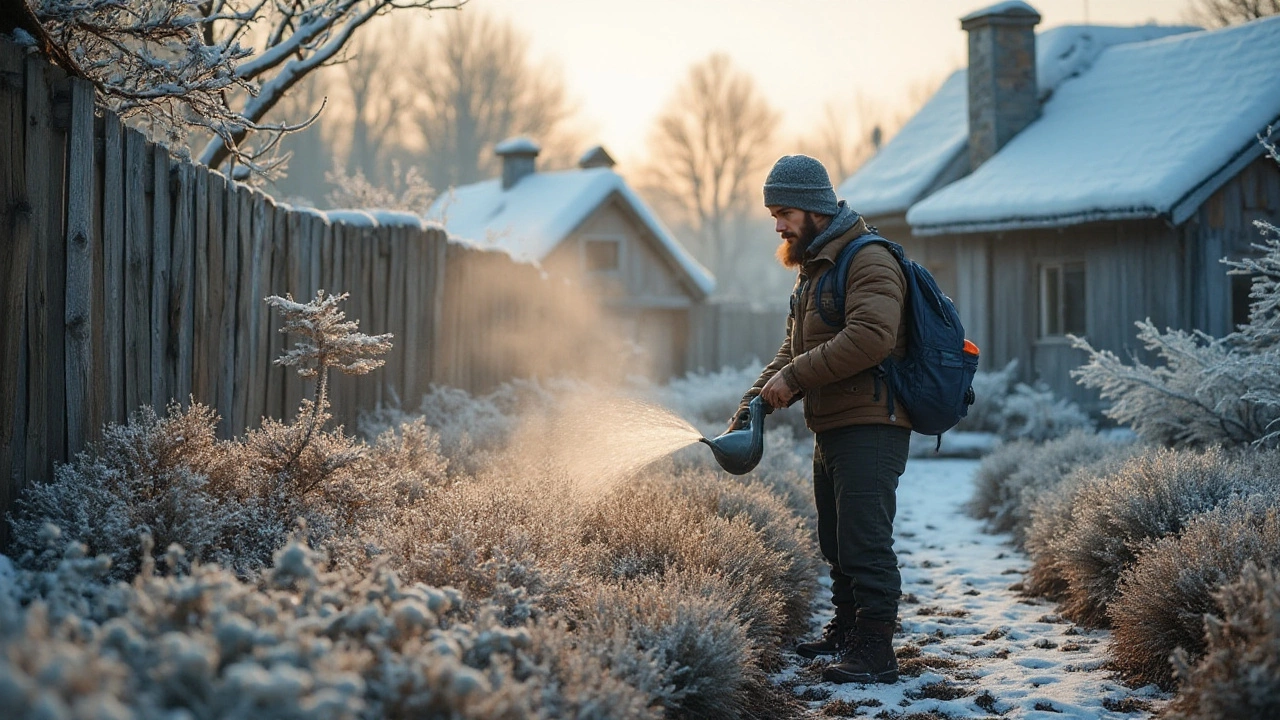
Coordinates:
(934, 381)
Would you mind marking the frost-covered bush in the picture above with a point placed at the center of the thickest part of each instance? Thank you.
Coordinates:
(1206, 391)
(1018, 411)
(147, 476)
(990, 388)
(678, 638)
(778, 527)
(298, 643)
(1239, 675)
(1050, 517)
(1148, 497)
(235, 502)
(649, 529)
(1164, 596)
(1011, 479)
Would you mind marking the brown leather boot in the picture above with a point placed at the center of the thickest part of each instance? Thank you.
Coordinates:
(831, 643)
(868, 655)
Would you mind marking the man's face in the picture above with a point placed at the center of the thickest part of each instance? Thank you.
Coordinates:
(797, 228)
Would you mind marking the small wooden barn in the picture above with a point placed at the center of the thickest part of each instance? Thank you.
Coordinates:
(587, 226)
(1081, 180)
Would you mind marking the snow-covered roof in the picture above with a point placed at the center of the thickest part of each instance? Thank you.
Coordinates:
(909, 164)
(1151, 130)
(529, 219)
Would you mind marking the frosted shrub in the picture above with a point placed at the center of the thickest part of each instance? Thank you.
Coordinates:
(503, 538)
(1164, 596)
(1017, 411)
(780, 529)
(647, 530)
(147, 476)
(1035, 413)
(298, 643)
(1239, 676)
(1051, 517)
(678, 638)
(1147, 498)
(990, 389)
(1011, 479)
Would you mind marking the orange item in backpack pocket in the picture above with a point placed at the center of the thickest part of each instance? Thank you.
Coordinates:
(970, 348)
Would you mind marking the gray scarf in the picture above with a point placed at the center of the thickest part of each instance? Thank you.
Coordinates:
(844, 219)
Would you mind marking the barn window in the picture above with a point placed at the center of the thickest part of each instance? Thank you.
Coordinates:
(601, 255)
(1062, 299)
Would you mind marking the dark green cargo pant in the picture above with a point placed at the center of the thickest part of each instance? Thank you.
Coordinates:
(855, 484)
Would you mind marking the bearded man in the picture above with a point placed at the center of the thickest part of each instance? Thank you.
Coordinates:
(860, 445)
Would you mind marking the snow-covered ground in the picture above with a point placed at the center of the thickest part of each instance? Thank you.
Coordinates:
(971, 645)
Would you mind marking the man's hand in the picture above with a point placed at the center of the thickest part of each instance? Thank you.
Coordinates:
(777, 392)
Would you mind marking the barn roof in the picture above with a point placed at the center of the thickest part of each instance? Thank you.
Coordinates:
(1151, 130)
(912, 161)
(529, 219)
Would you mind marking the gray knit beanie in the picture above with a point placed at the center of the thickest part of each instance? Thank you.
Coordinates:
(800, 182)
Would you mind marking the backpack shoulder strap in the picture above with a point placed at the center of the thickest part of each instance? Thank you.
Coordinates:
(840, 274)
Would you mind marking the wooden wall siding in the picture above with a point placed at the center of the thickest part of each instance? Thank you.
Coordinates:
(1223, 227)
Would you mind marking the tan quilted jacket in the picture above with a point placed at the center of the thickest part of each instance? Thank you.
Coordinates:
(834, 368)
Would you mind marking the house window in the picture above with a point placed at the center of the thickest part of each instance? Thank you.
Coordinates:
(601, 255)
(1062, 299)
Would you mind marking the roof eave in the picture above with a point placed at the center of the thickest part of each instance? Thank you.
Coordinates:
(1037, 223)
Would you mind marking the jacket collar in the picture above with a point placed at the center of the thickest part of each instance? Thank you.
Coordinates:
(832, 248)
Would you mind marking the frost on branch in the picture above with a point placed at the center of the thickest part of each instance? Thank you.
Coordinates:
(1208, 391)
(329, 339)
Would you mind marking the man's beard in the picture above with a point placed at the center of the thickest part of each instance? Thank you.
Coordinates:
(791, 250)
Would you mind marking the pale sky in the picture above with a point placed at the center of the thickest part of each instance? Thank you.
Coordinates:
(622, 59)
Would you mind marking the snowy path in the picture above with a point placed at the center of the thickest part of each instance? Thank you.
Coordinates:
(970, 647)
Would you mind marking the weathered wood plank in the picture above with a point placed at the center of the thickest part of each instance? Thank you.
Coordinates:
(80, 249)
(279, 285)
(182, 282)
(113, 268)
(412, 281)
(98, 387)
(40, 170)
(257, 309)
(15, 239)
(297, 243)
(137, 268)
(396, 313)
(374, 388)
(228, 284)
(202, 325)
(438, 254)
(162, 368)
(244, 309)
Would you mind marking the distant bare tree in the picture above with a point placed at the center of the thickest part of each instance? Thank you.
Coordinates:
(378, 79)
(849, 133)
(709, 149)
(478, 87)
(1221, 13)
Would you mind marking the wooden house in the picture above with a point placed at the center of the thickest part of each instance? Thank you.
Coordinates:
(1078, 181)
(587, 226)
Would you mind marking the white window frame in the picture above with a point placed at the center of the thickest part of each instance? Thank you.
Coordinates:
(1047, 306)
(582, 254)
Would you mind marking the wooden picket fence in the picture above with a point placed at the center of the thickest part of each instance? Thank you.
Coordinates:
(129, 278)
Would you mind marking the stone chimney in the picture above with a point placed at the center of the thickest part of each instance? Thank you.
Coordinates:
(1002, 76)
(519, 156)
(596, 157)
